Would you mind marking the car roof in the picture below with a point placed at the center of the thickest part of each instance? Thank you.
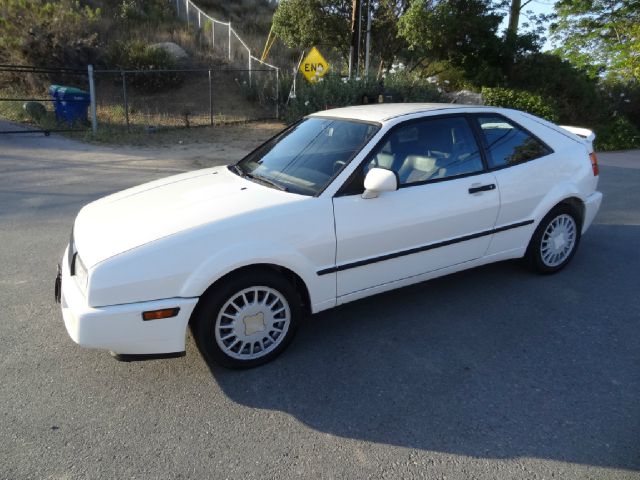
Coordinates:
(381, 112)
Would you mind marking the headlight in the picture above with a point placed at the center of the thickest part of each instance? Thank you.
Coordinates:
(80, 272)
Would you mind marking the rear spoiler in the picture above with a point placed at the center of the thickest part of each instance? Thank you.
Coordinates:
(585, 133)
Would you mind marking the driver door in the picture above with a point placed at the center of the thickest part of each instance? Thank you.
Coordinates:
(441, 215)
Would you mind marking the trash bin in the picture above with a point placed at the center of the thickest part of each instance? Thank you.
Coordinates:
(70, 104)
(57, 106)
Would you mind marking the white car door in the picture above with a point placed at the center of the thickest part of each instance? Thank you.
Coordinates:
(442, 214)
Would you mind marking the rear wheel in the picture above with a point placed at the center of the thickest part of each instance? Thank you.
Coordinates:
(555, 240)
(248, 320)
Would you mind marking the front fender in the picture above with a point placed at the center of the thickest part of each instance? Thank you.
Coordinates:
(231, 258)
(299, 237)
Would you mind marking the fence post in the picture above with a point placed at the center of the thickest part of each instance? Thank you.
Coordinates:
(229, 41)
(186, 7)
(126, 101)
(210, 100)
(277, 93)
(213, 34)
(199, 21)
(92, 96)
(249, 51)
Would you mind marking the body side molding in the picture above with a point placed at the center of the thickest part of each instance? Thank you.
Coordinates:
(423, 248)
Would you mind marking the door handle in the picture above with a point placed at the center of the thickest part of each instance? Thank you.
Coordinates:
(482, 188)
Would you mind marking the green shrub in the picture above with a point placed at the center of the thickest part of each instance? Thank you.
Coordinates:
(136, 55)
(52, 34)
(450, 78)
(623, 97)
(404, 87)
(330, 92)
(334, 91)
(617, 134)
(135, 12)
(575, 95)
(520, 100)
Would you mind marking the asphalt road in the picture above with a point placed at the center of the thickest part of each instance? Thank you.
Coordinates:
(491, 373)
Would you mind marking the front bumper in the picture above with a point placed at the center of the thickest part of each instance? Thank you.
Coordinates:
(591, 207)
(120, 328)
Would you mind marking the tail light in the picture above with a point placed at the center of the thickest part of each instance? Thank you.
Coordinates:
(594, 163)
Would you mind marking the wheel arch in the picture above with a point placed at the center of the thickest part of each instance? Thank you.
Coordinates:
(570, 197)
(564, 193)
(292, 277)
(532, 256)
(577, 204)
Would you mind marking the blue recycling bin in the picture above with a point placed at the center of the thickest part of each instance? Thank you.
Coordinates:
(70, 104)
(57, 106)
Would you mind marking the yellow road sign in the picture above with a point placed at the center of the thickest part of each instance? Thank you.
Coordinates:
(314, 66)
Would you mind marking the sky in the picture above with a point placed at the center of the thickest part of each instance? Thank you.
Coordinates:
(537, 7)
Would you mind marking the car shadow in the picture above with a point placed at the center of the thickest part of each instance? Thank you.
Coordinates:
(495, 362)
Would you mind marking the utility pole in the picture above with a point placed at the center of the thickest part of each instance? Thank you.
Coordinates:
(359, 37)
(514, 18)
(511, 36)
(367, 46)
(354, 51)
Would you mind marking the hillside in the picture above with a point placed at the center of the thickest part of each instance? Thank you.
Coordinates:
(123, 35)
(70, 33)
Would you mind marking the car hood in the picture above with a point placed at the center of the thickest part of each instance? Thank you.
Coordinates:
(137, 216)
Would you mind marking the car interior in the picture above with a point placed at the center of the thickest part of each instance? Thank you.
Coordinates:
(429, 150)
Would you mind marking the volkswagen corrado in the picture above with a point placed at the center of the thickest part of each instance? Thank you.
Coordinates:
(344, 204)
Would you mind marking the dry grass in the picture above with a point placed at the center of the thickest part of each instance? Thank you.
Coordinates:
(229, 132)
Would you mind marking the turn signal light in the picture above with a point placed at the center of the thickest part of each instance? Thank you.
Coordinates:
(159, 314)
(594, 164)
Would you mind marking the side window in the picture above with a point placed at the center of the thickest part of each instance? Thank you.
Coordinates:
(508, 144)
(427, 150)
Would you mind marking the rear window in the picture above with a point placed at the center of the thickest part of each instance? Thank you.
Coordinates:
(508, 144)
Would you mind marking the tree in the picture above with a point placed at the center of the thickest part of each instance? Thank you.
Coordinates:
(305, 23)
(386, 42)
(301, 24)
(600, 35)
(462, 33)
(517, 43)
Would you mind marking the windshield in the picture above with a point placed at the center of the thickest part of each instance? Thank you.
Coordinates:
(305, 157)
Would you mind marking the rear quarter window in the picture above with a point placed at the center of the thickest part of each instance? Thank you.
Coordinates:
(508, 144)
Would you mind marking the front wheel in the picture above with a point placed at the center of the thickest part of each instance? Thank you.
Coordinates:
(555, 241)
(248, 320)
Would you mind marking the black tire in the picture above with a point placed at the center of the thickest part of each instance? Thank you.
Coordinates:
(534, 255)
(204, 322)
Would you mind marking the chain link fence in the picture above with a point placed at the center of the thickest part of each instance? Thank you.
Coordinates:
(246, 89)
(220, 36)
(142, 99)
(25, 98)
(184, 98)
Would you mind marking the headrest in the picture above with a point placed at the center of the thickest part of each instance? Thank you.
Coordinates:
(424, 164)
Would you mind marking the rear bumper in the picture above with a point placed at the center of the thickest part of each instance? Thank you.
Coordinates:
(120, 328)
(591, 207)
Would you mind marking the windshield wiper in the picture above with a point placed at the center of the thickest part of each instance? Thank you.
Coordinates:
(236, 169)
(265, 181)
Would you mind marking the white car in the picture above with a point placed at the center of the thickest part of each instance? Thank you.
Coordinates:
(342, 205)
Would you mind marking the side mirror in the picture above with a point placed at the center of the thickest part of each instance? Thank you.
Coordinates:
(379, 180)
